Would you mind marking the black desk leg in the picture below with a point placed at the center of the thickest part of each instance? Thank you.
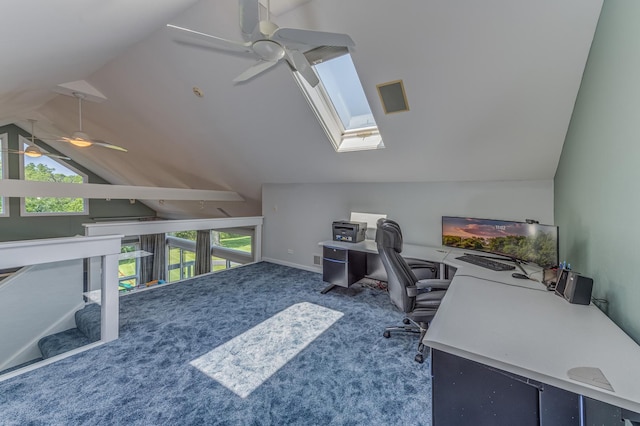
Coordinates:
(328, 289)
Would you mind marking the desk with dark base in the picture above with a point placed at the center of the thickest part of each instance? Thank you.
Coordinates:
(342, 267)
(499, 343)
(502, 349)
(465, 390)
(345, 263)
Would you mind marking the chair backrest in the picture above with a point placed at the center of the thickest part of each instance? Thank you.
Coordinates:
(399, 274)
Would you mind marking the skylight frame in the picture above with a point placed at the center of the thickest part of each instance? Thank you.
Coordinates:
(341, 139)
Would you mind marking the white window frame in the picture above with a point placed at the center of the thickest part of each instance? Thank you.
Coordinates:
(341, 139)
(4, 144)
(183, 245)
(232, 255)
(23, 208)
(136, 243)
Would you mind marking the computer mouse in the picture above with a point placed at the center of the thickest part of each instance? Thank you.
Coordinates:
(519, 275)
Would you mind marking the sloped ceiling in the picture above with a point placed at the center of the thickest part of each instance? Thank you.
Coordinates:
(491, 87)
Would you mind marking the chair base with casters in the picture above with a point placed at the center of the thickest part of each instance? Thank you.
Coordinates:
(416, 323)
(428, 294)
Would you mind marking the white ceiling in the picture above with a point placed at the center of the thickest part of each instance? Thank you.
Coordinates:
(490, 84)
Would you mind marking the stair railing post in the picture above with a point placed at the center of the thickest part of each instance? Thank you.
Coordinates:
(110, 301)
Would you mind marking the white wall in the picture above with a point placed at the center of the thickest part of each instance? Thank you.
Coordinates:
(298, 216)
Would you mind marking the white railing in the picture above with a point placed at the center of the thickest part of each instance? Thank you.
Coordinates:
(103, 241)
(55, 250)
(164, 226)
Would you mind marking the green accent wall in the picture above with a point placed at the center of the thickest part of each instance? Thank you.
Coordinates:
(15, 227)
(597, 205)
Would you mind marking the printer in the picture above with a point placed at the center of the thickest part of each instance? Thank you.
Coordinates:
(352, 232)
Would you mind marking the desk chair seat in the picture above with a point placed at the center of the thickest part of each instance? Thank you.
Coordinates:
(418, 299)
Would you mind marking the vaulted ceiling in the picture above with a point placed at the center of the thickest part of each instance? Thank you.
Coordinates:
(490, 85)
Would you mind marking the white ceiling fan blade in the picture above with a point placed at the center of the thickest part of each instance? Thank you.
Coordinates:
(249, 17)
(42, 154)
(300, 63)
(254, 70)
(311, 38)
(61, 157)
(217, 41)
(108, 145)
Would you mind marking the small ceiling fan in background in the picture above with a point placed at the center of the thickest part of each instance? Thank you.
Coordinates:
(35, 151)
(271, 44)
(80, 138)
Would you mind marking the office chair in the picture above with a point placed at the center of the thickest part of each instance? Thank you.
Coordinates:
(418, 299)
(422, 269)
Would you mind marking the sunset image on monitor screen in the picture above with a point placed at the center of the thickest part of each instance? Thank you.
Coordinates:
(530, 242)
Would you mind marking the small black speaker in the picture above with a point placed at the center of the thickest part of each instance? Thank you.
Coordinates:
(578, 289)
(561, 283)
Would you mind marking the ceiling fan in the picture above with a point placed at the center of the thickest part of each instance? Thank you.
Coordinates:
(271, 44)
(33, 150)
(80, 138)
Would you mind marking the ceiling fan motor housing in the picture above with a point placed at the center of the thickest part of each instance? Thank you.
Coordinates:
(268, 50)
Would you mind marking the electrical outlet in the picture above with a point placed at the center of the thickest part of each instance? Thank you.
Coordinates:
(289, 251)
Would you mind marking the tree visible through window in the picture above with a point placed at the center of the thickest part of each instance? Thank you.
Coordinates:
(44, 169)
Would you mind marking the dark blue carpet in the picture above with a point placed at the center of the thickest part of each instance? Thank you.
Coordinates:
(87, 331)
(56, 344)
(350, 375)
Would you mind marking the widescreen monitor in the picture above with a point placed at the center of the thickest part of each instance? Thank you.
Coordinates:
(530, 242)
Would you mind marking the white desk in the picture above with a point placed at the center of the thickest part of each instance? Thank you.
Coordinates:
(518, 326)
(538, 335)
(432, 254)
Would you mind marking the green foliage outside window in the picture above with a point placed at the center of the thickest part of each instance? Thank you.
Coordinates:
(43, 173)
(187, 235)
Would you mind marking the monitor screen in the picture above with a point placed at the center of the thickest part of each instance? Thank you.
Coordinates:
(529, 242)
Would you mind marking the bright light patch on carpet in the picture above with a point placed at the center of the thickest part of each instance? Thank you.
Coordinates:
(246, 361)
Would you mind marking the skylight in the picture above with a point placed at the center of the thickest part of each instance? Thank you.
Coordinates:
(339, 101)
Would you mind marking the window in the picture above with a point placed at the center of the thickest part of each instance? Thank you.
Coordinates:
(4, 204)
(231, 248)
(182, 255)
(339, 101)
(129, 266)
(46, 169)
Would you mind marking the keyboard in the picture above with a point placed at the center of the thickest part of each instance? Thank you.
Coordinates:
(486, 263)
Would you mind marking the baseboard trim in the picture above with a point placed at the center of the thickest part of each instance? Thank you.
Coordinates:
(315, 269)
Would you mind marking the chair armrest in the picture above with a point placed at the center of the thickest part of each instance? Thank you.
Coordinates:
(419, 263)
(433, 284)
